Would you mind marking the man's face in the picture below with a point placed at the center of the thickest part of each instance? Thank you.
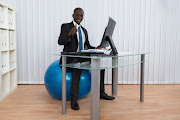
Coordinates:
(78, 16)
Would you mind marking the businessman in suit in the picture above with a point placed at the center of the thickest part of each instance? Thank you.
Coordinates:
(75, 38)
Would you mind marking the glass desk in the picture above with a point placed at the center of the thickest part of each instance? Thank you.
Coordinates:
(96, 63)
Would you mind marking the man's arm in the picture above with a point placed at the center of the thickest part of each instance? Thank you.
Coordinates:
(65, 36)
(88, 45)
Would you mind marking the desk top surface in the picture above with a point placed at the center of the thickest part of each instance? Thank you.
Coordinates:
(98, 56)
(106, 62)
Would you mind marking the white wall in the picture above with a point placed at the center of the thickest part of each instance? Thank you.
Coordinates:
(142, 25)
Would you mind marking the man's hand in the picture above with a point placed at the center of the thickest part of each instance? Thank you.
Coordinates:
(98, 47)
(72, 32)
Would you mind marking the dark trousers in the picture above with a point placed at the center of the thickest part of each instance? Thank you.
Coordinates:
(76, 79)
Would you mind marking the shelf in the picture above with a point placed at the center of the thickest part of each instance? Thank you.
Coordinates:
(11, 29)
(6, 5)
(8, 61)
(3, 28)
(4, 72)
(12, 49)
(5, 50)
(12, 69)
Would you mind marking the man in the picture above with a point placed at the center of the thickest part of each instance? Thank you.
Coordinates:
(75, 38)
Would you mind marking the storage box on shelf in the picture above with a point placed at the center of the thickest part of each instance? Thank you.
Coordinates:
(12, 60)
(12, 43)
(8, 59)
(11, 21)
(4, 40)
(4, 62)
(4, 16)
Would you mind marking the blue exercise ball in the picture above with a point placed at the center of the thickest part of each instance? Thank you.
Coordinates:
(53, 81)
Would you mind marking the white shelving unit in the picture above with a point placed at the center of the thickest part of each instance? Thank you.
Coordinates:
(8, 61)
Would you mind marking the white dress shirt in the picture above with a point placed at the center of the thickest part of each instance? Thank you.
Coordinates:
(83, 35)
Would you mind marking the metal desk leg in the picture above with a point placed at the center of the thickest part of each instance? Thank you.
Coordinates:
(114, 75)
(63, 85)
(142, 78)
(95, 88)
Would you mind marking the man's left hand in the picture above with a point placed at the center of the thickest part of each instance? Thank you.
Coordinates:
(98, 47)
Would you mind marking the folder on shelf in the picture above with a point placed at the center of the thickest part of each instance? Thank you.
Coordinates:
(4, 40)
(2, 35)
(12, 39)
(5, 61)
(10, 47)
(2, 61)
(11, 43)
(1, 39)
(1, 16)
(10, 18)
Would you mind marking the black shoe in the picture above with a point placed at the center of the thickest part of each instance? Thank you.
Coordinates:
(74, 105)
(106, 97)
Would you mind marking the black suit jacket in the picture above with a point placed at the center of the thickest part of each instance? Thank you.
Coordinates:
(71, 44)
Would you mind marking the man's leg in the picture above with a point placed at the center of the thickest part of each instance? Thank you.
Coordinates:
(103, 95)
(75, 88)
(102, 90)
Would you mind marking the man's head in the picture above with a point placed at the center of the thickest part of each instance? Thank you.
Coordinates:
(78, 15)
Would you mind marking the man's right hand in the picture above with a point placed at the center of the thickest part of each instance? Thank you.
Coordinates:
(72, 32)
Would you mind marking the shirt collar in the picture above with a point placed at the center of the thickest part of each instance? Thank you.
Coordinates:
(76, 24)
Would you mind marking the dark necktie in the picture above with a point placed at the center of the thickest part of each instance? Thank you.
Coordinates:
(80, 39)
